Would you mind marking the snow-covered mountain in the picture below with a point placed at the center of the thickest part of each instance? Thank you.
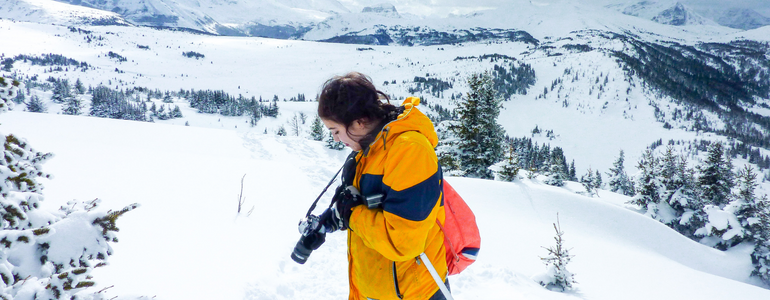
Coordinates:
(47, 11)
(664, 12)
(235, 17)
(741, 18)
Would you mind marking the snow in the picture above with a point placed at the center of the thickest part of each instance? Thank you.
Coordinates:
(188, 234)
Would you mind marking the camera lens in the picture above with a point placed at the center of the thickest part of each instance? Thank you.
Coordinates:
(301, 253)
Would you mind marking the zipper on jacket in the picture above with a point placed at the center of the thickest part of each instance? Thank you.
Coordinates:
(395, 282)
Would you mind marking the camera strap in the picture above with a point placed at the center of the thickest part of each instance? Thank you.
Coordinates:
(348, 174)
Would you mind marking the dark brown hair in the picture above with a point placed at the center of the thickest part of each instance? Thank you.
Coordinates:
(345, 99)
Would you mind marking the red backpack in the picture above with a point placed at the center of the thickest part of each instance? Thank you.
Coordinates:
(461, 234)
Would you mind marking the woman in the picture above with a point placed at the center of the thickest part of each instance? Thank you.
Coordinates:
(396, 159)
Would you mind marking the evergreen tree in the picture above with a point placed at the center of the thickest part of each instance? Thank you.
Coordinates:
(20, 97)
(748, 207)
(648, 186)
(619, 181)
(481, 138)
(760, 257)
(557, 277)
(331, 144)
(510, 167)
(61, 91)
(317, 129)
(716, 176)
(686, 201)
(598, 183)
(555, 172)
(177, 113)
(281, 131)
(589, 183)
(79, 88)
(36, 105)
(8, 90)
(572, 171)
(255, 111)
(73, 106)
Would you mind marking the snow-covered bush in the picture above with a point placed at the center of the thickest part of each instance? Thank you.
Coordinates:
(8, 90)
(556, 276)
(46, 254)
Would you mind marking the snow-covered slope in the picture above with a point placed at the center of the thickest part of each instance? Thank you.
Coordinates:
(188, 242)
(664, 12)
(214, 16)
(48, 11)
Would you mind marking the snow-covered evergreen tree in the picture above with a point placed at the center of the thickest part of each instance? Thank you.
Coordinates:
(648, 184)
(589, 183)
(79, 88)
(331, 144)
(557, 277)
(509, 168)
(61, 91)
(760, 257)
(686, 200)
(716, 176)
(618, 180)
(73, 106)
(8, 90)
(748, 207)
(448, 151)
(481, 138)
(36, 105)
(317, 129)
(555, 172)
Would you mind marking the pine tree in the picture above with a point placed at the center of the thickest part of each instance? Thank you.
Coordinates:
(648, 184)
(589, 183)
(557, 277)
(73, 106)
(481, 138)
(748, 207)
(760, 257)
(61, 91)
(79, 88)
(572, 171)
(619, 181)
(510, 168)
(281, 131)
(36, 105)
(716, 176)
(555, 172)
(8, 90)
(598, 183)
(317, 129)
(686, 201)
(331, 144)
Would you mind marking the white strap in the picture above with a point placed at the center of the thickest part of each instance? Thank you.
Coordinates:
(436, 277)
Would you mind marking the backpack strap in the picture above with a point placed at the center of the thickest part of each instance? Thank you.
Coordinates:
(436, 277)
(451, 246)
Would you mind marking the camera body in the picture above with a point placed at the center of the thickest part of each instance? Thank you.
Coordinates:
(312, 227)
(312, 237)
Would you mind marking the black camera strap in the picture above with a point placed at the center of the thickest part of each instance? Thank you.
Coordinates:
(348, 174)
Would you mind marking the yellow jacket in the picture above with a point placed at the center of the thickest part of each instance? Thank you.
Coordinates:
(384, 243)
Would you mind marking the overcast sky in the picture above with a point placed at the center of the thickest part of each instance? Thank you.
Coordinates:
(444, 7)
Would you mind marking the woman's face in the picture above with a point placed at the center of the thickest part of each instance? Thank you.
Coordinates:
(346, 135)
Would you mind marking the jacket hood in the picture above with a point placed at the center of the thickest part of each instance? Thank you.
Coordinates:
(411, 119)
